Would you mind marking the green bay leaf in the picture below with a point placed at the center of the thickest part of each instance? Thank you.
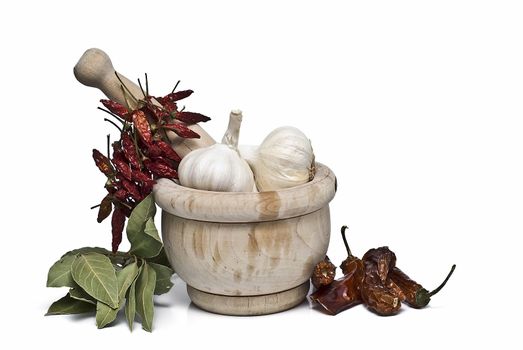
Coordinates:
(69, 306)
(84, 250)
(161, 259)
(104, 314)
(79, 294)
(96, 275)
(145, 285)
(140, 214)
(163, 278)
(60, 273)
(125, 278)
(147, 243)
(130, 307)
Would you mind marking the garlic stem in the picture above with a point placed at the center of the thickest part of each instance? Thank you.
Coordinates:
(232, 135)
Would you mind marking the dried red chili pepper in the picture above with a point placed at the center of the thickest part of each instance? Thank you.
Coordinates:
(122, 167)
(121, 195)
(139, 176)
(350, 257)
(131, 188)
(343, 293)
(129, 150)
(181, 130)
(158, 112)
(153, 151)
(323, 273)
(160, 168)
(103, 163)
(191, 117)
(375, 291)
(176, 96)
(141, 124)
(170, 106)
(105, 209)
(415, 295)
(167, 151)
(117, 109)
(117, 225)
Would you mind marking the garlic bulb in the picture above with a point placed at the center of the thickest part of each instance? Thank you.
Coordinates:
(218, 167)
(284, 159)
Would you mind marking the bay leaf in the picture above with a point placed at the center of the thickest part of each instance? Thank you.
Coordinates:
(125, 278)
(163, 278)
(140, 214)
(69, 306)
(161, 259)
(96, 275)
(104, 314)
(147, 243)
(79, 294)
(60, 273)
(145, 285)
(130, 307)
(84, 250)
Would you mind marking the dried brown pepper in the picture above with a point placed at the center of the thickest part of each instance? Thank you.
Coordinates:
(415, 295)
(376, 291)
(105, 209)
(345, 292)
(324, 273)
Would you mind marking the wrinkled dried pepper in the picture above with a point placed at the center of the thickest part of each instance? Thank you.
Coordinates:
(105, 209)
(182, 131)
(191, 117)
(103, 163)
(375, 289)
(142, 126)
(117, 109)
(117, 225)
(323, 273)
(415, 295)
(129, 150)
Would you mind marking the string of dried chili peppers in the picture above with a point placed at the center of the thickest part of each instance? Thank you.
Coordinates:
(142, 154)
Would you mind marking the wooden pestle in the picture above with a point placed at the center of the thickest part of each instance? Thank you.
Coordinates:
(95, 69)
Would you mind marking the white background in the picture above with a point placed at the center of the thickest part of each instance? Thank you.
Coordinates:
(416, 106)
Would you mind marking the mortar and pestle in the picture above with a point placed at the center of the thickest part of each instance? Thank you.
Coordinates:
(240, 253)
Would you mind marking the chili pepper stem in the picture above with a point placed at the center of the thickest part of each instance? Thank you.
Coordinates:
(175, 86)
(95, 206)
(141, 88)
(435, 291)
(112, 115)
(139, 151)
(110, 121)
(108, 145)
(124, 87)
(146, 85)
(343, 228)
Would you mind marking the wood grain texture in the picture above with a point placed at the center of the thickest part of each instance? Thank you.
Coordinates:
(95, 69)
(246, 258)
(249, 305)
(247, 206)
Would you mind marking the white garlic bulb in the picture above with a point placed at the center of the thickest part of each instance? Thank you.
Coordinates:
(284, 159)
(218, 167)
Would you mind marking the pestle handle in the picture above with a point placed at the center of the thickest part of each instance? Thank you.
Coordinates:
(95, 69)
